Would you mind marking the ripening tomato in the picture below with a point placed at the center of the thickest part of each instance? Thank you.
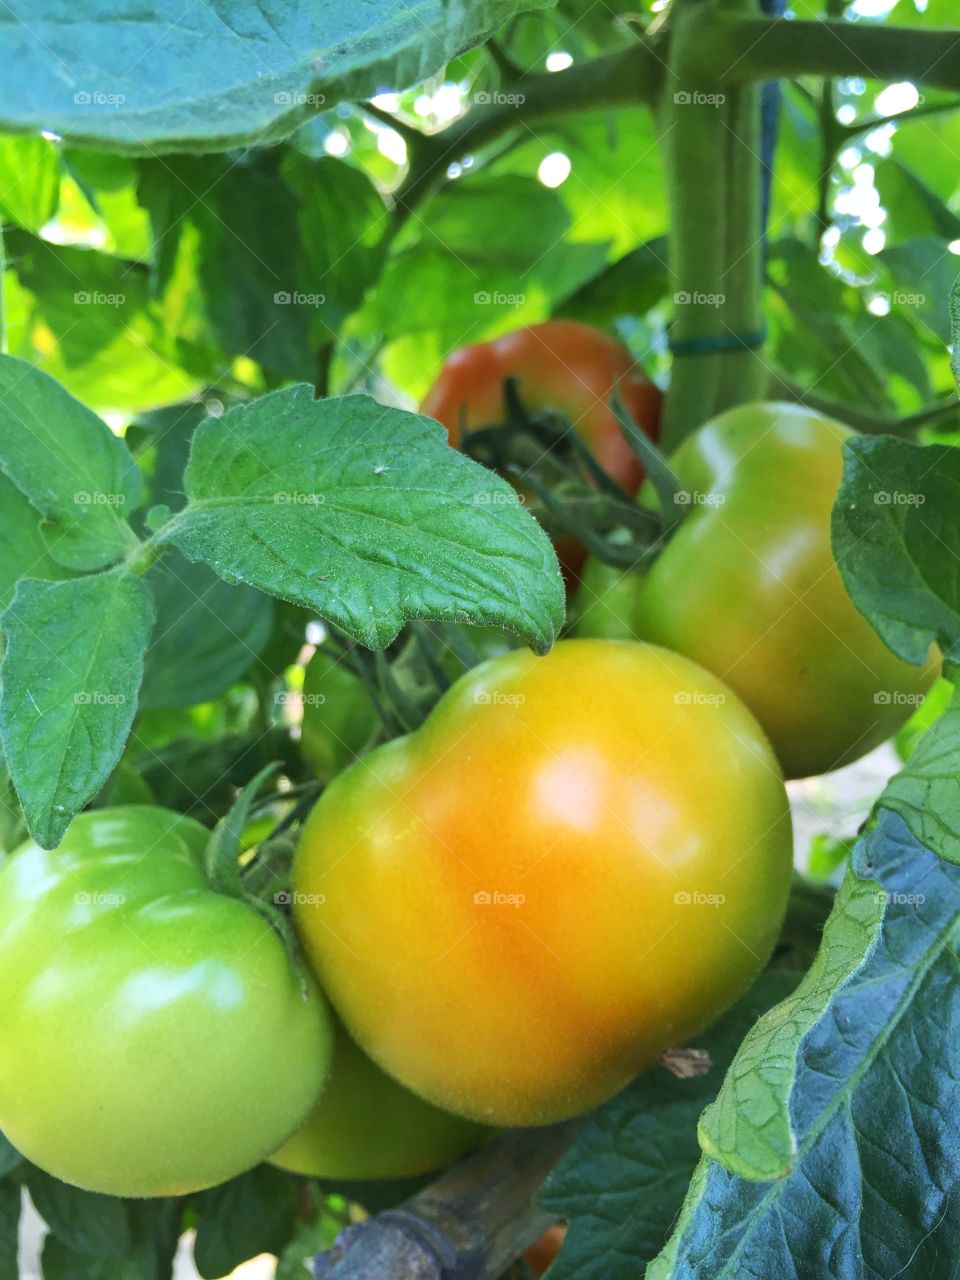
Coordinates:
(561, 365)
(747, 586)
(574, 863)
(154, 1039)
(366, 1125)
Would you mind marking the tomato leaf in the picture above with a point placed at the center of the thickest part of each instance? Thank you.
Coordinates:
(926, 791)
(9, 1226)
(68, 464)
(364, 513)
(180, 77)
(896, 537)
(255, 1213)
(10, 1157)
(81, 1220)
(623, 1181)
(283, 247)
(871, 1098)
(71, 674)
(154, 1231)
(207, 633)
(29, 180)
(23, 548)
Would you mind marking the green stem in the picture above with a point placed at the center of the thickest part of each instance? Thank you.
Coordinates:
(751, 48)
(847, 132)
(620, 79)
(710, 137)
(829, 146)
(936, 415)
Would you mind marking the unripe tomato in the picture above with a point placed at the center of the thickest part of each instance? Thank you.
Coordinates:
(366, 1125)
(574, 863)
(561, 365)
(338, 716)
(748, 587)
(153, 1036)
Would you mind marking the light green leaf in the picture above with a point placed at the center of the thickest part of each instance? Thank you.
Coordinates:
(70, 675)
(69, 464)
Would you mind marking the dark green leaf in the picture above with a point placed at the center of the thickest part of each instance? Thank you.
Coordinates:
(253, 1214)
(82, 1221)
(283, 251)
(629, 286)
(160, 441)
(23, 548)
(206, 635)
(71, 674)
(456, 285)
(823, 336)
(70, 466)
(9, 1227)
(154, 1227)
(924, 271)
(874, 1162)
(623, 1181)
(364, 513)
(181, 76)
(896, 538)
(10, 1157)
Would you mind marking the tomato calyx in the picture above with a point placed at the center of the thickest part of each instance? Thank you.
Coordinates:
(222, 868)
(574, 495)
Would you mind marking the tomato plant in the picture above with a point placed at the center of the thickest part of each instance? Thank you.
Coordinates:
(156, 1040)
(748, 587)
(569, 756)
(674, 288)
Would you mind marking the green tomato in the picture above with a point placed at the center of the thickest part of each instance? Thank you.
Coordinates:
(338, 716)
(747, 587)
(366, 1125)
(154, 1038)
